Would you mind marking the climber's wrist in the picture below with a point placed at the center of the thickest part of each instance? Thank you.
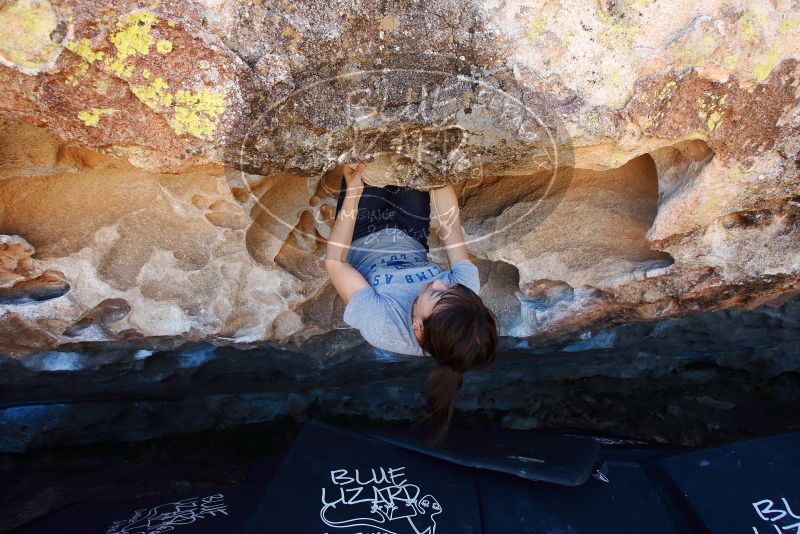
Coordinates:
(354, 186)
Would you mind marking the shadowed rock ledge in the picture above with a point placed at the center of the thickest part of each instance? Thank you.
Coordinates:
(710, 378)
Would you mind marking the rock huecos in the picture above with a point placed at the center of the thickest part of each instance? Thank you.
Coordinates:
(614, 163)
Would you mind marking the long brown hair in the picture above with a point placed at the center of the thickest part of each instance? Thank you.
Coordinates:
(460, 334)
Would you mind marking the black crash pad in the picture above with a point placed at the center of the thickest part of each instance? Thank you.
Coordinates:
(337, 482)
(627, 502)
(227, 509)
(544, 456)
(751, 486)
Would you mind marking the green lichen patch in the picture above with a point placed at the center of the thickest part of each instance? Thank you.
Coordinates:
(698, 53)
(83, 49)
(729, 61)
(593, 119)
(713, 120)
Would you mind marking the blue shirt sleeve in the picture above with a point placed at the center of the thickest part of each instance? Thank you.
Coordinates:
(465, 272)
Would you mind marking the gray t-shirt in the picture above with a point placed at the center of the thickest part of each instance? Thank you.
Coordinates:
(397, 266)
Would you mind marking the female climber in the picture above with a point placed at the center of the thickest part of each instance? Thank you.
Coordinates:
(377, 258)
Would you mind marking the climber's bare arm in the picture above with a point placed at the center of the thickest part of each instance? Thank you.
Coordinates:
(344, 277)
(444, 206)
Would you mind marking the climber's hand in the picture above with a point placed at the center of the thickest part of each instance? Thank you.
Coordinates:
(352, 176)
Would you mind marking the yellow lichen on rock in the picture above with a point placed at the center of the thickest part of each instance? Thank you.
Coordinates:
(156, 95)
(697, 54)
(713, 120)
(729, 61)
(613, 33)
(198, 113)
(134, 34)
(83, 48)
(763, 69)
(739, 174)
(709, 104)
(92, 116)
(26, 27)
(615, 83)
(711, 205)
(132, 38)
(535, 28)
(760, 14)
(668, 90)
(747, 29)
(164, 46)
(787, 26)
(119, 68)
(78, 73)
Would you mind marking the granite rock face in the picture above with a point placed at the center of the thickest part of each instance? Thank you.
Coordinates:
(171, 168)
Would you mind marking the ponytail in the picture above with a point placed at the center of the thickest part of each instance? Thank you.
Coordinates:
(460, 334)
(441, 389)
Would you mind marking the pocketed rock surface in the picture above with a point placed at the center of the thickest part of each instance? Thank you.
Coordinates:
(170, 169)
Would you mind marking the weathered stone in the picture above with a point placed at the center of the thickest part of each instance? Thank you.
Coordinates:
(48, 285)
(20, 337)
(15, 259)
(615, 161)
(106, 312)
(21, 279)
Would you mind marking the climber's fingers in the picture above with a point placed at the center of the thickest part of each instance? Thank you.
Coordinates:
(352, 175)
(350, 171)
